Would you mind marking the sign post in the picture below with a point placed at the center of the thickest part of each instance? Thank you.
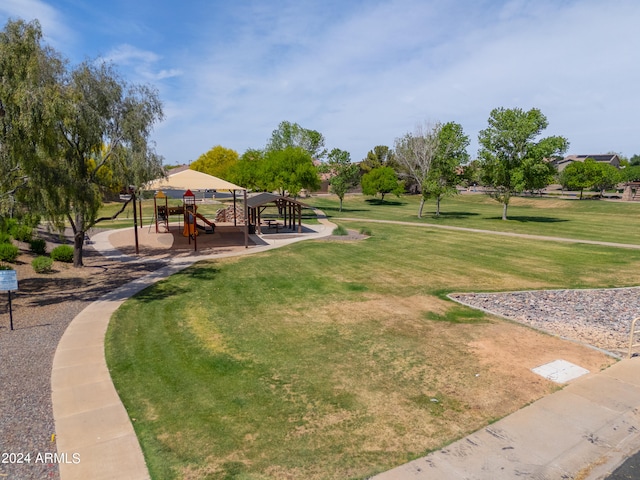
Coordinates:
(9, 282)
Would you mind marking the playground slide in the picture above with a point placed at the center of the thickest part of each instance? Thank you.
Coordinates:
(207, 223)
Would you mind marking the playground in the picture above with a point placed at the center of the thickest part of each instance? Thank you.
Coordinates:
(219, 226)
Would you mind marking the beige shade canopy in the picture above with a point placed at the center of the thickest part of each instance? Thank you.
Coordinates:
(191, 179)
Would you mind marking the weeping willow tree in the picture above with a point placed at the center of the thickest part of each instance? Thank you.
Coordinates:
(29, 86)
(104, 144)
(70, 134)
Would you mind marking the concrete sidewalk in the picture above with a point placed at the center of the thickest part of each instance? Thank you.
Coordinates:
(581, 432)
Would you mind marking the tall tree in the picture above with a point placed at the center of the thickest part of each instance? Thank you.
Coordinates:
(607, 177)
(217, 162)
(247, 170)
(382, 180)
(73, 133)
(591, 174)
(380, 156)
(30, 75)
(508, 145)
(104, 137)
(446, 168)
(579, 175)
(293, 135)
(415, 152)
(344, 174)
(288, 171)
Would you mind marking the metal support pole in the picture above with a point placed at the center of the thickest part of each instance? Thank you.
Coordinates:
(135, 221)
(140, 205)
(10, 312)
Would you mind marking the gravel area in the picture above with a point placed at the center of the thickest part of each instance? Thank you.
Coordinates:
(43, 307)
(600, 318)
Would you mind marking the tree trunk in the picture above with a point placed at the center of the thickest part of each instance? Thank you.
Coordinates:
(421, 207)
(504, 210)
(438, 206)
(78, 240)
(340, 203)
(382, 199)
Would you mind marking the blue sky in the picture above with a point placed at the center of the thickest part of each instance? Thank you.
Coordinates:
(361, 72)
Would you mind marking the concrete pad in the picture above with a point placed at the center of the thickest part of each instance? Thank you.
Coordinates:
(560, 371)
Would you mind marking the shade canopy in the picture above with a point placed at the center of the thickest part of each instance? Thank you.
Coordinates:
(191, 179)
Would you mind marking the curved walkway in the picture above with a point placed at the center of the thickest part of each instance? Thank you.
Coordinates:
(584, 429)
(93, 432)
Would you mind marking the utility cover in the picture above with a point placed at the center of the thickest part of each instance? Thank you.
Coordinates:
(560, 371)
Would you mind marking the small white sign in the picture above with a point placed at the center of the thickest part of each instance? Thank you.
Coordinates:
(8, 280)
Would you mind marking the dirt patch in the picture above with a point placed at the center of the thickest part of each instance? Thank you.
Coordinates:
(352, 235)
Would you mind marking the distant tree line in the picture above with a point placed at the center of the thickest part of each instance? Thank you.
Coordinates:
(432, 161)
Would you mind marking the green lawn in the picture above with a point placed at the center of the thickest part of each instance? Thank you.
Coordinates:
(340, 359)
(585, 219)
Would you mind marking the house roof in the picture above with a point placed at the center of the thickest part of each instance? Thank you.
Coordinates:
(599, 157)
(191, 179)
(610, 158)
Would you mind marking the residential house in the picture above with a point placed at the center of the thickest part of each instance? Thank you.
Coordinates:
(609, 158)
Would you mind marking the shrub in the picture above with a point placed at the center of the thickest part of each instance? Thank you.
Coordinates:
(340, 230)
(8, 224)
(5, 237)
(38, 246)
(365, 231)
(63, 253)
(8, 252)
(22, 233)
(42, 264)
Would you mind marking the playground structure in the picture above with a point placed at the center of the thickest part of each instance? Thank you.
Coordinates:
(188, 211)
(185, 179)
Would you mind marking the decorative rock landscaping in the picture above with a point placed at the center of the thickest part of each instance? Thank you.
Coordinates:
(600, 318)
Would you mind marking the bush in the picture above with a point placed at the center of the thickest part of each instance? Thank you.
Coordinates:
(22, 233)
(5, 237)
(38, 246)
(8, 252)
(42, 264)
(365, 231)
(8, 224)
(340, 230)
(63, 253)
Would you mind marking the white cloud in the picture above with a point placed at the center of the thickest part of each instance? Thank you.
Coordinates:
(54, 28)
(141, 62)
